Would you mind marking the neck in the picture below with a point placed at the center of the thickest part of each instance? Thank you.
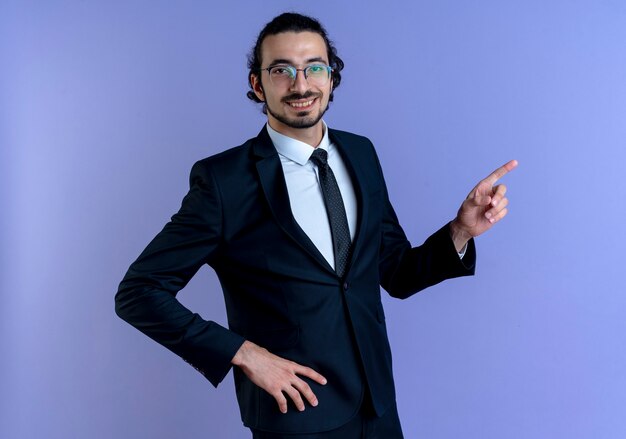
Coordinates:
(311, 136)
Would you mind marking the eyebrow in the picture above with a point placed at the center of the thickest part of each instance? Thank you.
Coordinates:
(286, 61)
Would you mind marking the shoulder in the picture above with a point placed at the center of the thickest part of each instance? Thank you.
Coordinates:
(227, 157)
(235, 161)
(356, 147)
(345, 136)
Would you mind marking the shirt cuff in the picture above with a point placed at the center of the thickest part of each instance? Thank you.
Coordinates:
(462, 252)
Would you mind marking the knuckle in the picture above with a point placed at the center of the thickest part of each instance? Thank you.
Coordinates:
(304, 388)
(277, 388)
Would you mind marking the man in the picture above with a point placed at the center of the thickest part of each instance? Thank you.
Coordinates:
(298, 226)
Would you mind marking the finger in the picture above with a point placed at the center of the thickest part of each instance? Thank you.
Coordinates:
(499, 216)
(295, 397)
(493, 213)
(310, 373)
(478, 200)
(306, 391)
(281, 400)
(498, 194)
(500, 172)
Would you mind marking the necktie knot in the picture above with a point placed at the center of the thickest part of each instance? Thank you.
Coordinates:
(320, 157)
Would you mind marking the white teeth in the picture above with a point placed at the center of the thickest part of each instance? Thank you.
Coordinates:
(301, 104)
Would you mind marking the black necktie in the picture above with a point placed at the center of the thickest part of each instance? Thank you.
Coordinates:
(334, 209)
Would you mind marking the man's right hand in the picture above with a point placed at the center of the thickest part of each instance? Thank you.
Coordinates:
(277, 376)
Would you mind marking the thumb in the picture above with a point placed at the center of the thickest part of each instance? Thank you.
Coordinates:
(480, 200)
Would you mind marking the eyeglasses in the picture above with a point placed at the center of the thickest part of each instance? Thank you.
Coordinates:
(285, 75)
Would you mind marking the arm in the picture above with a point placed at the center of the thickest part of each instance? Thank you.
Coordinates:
(146, 297)
(405, 270)
(147, 300)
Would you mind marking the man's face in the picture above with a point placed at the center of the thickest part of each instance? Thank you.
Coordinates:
(300, 104)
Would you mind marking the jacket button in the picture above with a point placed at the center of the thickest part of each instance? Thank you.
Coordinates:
(346, 285)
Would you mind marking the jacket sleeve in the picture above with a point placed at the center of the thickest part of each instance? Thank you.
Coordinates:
(146, 297)
(405, 270)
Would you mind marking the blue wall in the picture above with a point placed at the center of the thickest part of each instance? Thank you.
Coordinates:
(104, 107)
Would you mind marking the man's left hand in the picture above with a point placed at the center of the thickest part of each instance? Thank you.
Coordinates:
(485, 205)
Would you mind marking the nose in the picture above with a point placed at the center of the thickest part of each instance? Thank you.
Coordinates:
(300, 83)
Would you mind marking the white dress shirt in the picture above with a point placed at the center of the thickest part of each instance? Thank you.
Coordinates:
(305, 192)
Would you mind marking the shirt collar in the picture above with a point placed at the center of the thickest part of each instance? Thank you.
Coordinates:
(296, 150)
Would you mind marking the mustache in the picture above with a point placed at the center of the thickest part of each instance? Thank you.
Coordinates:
(296, 96)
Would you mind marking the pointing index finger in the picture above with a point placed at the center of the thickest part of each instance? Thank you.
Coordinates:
(501, 172)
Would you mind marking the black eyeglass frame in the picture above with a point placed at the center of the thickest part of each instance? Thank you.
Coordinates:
(295, 71)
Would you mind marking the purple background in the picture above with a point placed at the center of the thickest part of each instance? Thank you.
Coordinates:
(104, 107)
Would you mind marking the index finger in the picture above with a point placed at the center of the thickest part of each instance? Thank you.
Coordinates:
(310, 373)
(501, 172)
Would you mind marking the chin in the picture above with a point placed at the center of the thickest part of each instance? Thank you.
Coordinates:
(302, 120)
(304, 123)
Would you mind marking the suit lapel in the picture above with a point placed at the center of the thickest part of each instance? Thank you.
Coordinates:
(351, 154)
(274, 187)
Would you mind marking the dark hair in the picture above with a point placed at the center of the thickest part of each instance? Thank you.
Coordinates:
(292, 22)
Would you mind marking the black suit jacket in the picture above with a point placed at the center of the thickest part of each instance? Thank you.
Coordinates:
(279, 290)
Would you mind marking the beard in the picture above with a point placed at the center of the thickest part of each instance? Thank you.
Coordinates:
(300, 121)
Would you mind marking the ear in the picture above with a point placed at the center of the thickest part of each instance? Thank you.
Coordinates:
(257, 87)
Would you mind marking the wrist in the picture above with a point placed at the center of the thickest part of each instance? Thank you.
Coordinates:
(240, 355)
(459, 236)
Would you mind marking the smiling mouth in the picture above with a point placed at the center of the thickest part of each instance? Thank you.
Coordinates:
(301, 104)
